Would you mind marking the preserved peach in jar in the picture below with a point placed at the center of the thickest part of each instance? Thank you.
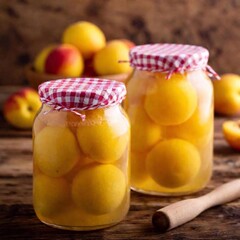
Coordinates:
(170, 106)
(80, 150)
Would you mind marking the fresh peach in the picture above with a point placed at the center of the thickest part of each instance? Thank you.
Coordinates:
(128, 42)
(226, 94)
(40, 59)
(106, 61)
(88, 68)
(86, 36)
(231, 132)
(64, 60)
(21, 107)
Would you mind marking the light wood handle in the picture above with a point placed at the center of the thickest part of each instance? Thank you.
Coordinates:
(181, 212)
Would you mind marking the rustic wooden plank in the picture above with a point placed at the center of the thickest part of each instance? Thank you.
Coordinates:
(137, 225)
(15, 157)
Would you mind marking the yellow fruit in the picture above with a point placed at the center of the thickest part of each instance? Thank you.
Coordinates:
(21, 107)
(171, 101)
(106, 61)
(39, 62)
(55, 151)
(103, 138)
(226, 94)
(139, 172)
(64, 60)
(86, 36)
(50, 195)
(196, 130)
(173, 163)
(99, 189)
(144, 132)
(231, 132)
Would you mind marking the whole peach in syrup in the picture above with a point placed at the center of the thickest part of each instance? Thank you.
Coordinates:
(173, 163)
(55, 161)
(99, 189)
(177, 102)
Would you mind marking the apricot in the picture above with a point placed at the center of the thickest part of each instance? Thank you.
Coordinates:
(104, 135)
(144, 132)
(86, 36)
(50, 195)
(173, 163)
(172, 101)
(39, 61)
(55, 151)
(99, 189)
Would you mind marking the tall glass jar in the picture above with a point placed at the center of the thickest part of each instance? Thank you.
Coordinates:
(80, 151)
(170, 106)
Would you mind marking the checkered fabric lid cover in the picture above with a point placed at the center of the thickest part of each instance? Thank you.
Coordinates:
(170, 58)
(81, 93)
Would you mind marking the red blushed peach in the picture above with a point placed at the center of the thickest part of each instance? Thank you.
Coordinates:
(129, 43)
(39, 61)
(231, 132)
(64, 60)
(88, 68)
(21, 107)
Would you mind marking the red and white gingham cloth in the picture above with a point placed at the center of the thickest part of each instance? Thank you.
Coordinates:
(170, 58)
(81, 93)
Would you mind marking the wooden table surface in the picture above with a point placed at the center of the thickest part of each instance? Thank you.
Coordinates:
(18, 221)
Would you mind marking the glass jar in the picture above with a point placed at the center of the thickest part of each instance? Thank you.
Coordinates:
(80, 154)
(170, 106)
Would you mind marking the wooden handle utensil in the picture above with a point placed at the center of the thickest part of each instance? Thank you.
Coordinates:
(181, 212)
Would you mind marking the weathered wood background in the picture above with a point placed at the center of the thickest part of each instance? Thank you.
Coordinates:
(26, 26)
